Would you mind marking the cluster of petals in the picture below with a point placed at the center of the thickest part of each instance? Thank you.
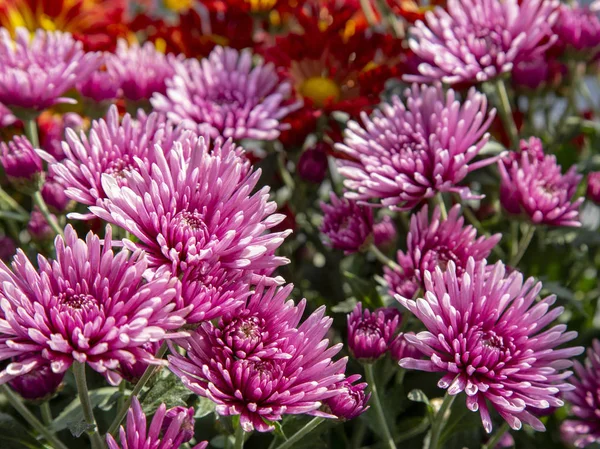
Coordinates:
(194, 206)
(433, 243)
(169, 429)
(351, 401)
(37, 70)
(227, 95)
(533, 185)
(584, 429)
(261, 363)
(404, 154)
(371, 333)
(477, 40)
(104, 83)
(89, 305)
(347, 224)
(111, 147)
(487, 333)
(578, 27)
(20, 162)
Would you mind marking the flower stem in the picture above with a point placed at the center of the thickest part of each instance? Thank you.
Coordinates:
(523, 245)
(240, 435)
(31, 132)
(470, 216)
(385, 259)
(418, 429)
(506, 113)
(86, 405)
(136, 390)
(18, 405)
(46, 413)
(369, 374)
(309, 427)
(439, 200)
(41, 204)
(368, 12)
(10, 202)
(438, 422)
(495, 439)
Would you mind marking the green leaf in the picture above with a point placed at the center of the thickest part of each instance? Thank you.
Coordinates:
(72, 415)
(203, 407)
(346, 306)
(79, 428)
(15, 436)
(169, 391)
(364, 291)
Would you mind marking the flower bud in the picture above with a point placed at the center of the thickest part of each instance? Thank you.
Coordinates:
(351, 402)
(22, 165)
(370, 333)
(312, 165)
(37, 385)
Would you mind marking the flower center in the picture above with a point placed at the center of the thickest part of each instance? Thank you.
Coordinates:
(492, 340)
(243, 335)
(320, 90)
(77, 301)
(368, 328)
(117, 168)
(192, 220)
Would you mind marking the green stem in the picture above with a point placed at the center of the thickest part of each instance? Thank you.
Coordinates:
(31, 132)
(46, 413)
(240, 436)
(418, 429)
(368, 12)
(506, 113)
(438, 422)
(13, 216)
(136, 390)
(38, 200)
(309, 427)
(470, 216)
(439, 200)
(495, 439)
(379, 412)
(523, 245)
(10, 202)
(86, 405)
(358, 435)
(18, 405)
(385, 260)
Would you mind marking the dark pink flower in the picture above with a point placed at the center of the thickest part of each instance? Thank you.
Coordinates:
(39, 384)
(351, 401)
(371, 333)
(312, 164)
(346, 224)
(22, 165)
(260, 363)
(89, 305)
(435, 242)
(578, 27)
(486, 334)
(384, 232)
(584, 429)
(401, 348)
(404, 154)
(38, 227)
(593, 187)
(167, 430)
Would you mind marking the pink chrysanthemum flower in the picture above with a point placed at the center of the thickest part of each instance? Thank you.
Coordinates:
(435, 242)
(578, 27)
(196, 210)
(351, 401)
(23, 167)
(112, 147)
(260, 363)
(585, 400)
(36, 70)
(39, 384)
(533, 185)
(7, 118)
(400, 348)
(142, 70)
(384, 232)
(404, 154)
(226, 95)
(370, 333)
(346, 224)
(89, 305)
(477, 40)
(138, 435)
(103, 84)
(485, 333)
(593, 187)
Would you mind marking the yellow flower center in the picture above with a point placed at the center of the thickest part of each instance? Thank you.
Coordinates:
(320, 90)
(178, 5)
(261, 5)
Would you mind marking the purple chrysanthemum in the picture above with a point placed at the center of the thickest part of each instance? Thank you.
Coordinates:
(485, 333)
(435, 243)
(351, 401)
(22, 165)
(226, 95)
(593, 187)
(533, 185)
(313, 164)
(585, 400)
(7, 248)
(400, 348)
(477, 40)
(38, 227)
(36, 70)
(112, 147)
(89, 305)
(346, 224)
(103, 84)
(260, 363)
(142, 70)
(199, 210)
(384, 232)
(578, 27)
(138, 435)
(404, 154)
(370, 333)
(39, 384)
